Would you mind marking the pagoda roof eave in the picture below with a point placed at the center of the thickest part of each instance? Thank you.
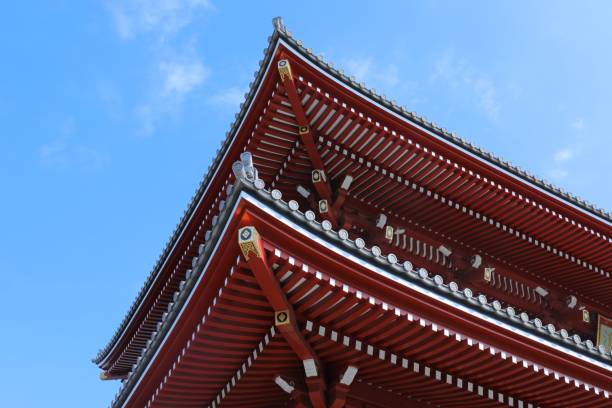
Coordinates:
(441, 133)
(200, 193)
(282, 36)
(386, 267)
(420, 280)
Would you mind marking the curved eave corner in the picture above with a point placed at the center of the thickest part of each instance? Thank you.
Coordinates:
(201, 191)
(443, 133)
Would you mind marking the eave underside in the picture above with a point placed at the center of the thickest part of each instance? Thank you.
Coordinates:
(234, 353)
(404, 179)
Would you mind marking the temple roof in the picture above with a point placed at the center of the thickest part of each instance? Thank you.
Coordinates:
(281, 33)
(481, 308)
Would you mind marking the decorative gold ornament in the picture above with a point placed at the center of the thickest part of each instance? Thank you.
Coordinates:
(281, 318)
(248, 239)
(318, 176)
(284, 69)
(303, 130)
(323, 206)
(389, 233)
(586, 317)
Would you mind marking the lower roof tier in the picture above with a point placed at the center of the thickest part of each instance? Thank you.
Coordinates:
(358, 329)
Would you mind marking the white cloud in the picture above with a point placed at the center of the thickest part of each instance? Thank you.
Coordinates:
(457, 73)
(360, 68)
(365, 70)
(487, 97)
(561, 161)
(172, 84)
(182, 78)
(61, 154)
(558, 174)
(175, 69)
(164, 17)
(563, 155)
(577, 124)
(230, 97)
(64, 152)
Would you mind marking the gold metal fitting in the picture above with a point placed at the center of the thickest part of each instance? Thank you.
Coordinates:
(318, 176)
(389, 233)
(281, 318)
(586, 316)
(323, 206)
(284, 69)
(303, 130)
(104, 376)
(248, 239)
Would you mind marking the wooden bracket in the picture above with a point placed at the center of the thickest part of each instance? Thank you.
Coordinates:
(340, 390)
(307, 137)
(284, 315)
(299, 397)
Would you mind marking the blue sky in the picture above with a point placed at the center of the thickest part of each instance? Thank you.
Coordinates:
(111, 111)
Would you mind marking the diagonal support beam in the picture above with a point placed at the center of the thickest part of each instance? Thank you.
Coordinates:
(342, 194)
(342, 388)
(308, 137)
(285, 320)
(298, 396)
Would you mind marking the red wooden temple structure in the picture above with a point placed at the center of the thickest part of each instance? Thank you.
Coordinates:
(344, 252)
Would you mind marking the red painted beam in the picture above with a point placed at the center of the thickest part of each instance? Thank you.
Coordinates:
(305, 133)
(252, 248)
(342, 193)
(339, 392)
(299, 397)
(341, 389)
(307, 136)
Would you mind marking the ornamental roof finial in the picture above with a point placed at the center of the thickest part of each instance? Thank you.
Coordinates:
(277, 22)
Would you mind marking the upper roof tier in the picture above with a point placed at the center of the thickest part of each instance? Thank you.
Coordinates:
(458, 142)
(472, 196)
